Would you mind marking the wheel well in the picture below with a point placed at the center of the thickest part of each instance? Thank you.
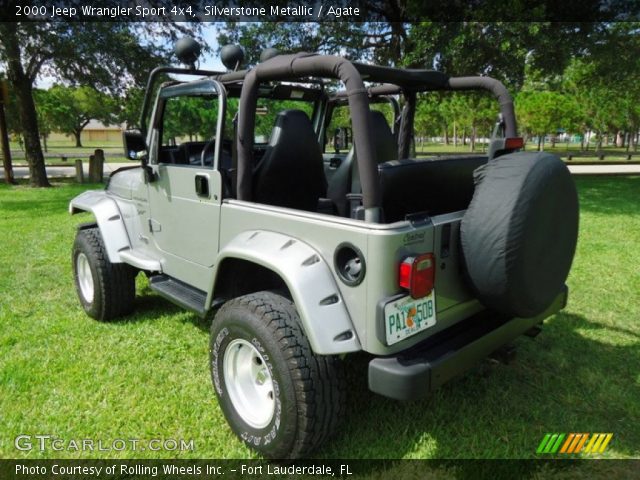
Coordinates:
(238, 277)
(86, 225)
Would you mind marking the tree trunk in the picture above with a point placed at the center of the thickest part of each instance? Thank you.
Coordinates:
(77, 134)
(582, 141)
(6, 151)
(455, 134)
(627, 140)
(539, 141)
(22, 86)
(44, 142)
(472, 140)
(446, 136)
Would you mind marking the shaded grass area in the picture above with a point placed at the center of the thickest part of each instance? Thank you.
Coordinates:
(147, 376)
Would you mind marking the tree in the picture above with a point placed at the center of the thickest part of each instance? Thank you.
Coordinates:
(543, 112)
(498, 49)
(382, 41)
(45, 108)
(105, 55)
(70, 109)
(131, 106)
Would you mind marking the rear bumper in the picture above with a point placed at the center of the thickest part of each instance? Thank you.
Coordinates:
(415, 372)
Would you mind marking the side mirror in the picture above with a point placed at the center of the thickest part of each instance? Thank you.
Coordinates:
(135, 147)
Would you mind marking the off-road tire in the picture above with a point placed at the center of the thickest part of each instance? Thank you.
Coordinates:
(309, 389)
(114, 286)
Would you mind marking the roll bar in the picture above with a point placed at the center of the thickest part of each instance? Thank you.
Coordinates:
(301, 65)
(287, 67)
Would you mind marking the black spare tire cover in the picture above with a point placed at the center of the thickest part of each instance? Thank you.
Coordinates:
(520, 231)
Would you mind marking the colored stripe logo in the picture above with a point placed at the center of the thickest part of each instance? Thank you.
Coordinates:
(573, 443)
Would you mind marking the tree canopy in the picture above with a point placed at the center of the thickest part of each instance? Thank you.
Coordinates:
(108, 56)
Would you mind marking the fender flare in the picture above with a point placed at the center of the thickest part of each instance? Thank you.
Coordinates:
(323, 313)
(109, 219)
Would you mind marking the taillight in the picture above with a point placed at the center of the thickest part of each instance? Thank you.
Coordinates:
(417, 274)
(513, 143)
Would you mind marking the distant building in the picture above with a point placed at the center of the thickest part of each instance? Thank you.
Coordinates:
(95, 132)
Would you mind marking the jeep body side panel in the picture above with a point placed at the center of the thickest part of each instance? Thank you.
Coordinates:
(324, 316)
(106, 212)
(383, 246)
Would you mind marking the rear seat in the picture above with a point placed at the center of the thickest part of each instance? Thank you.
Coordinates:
(343, 179)
(434, 186)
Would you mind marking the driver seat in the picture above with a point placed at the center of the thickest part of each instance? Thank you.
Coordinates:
(291, 171)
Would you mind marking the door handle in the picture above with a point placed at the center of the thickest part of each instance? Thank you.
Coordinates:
(202, 186)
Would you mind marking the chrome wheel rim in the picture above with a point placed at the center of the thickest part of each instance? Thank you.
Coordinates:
(85, 278)
(249, 383)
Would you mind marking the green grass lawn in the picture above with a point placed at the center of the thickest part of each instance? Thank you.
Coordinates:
(147, 376)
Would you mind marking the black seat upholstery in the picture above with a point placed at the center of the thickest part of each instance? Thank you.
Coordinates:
(433, 186)
(291, 172)
(342, 180)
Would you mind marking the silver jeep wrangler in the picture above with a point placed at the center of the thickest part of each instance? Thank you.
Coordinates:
(304, 255)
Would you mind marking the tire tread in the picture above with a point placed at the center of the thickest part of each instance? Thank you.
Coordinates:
(319, 380)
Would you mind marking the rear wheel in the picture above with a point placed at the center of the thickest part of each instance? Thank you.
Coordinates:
(277, 395)
(106, 290)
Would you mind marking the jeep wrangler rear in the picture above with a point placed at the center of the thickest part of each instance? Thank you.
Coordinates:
(429, 265)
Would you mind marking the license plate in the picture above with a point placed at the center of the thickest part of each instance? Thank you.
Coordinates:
(407, 316)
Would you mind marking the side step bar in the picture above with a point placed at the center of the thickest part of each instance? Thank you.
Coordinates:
(179, 293)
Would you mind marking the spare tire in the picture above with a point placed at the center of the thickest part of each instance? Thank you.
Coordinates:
(520, 231)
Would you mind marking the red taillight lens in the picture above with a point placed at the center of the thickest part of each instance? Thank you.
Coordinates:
(513, 143)
(417, 274)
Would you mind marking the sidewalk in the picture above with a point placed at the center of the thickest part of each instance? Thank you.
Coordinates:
(67, 172)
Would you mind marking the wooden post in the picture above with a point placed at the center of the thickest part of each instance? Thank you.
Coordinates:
(79, 171)
(99, 155)
(92, 169)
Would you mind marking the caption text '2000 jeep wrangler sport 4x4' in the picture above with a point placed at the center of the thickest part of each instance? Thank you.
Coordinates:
(428, 264)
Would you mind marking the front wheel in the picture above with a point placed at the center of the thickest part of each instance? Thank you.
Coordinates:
(106, 290)
(277, 395)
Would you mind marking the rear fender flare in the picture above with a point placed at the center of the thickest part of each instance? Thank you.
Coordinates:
(323, 313)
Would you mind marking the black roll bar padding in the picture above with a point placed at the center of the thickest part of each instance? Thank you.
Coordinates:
(300, 65)
(406, 125)
(499, 91)
(384, 89)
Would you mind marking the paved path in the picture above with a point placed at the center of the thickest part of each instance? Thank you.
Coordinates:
(70, 171)
(615, 169)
